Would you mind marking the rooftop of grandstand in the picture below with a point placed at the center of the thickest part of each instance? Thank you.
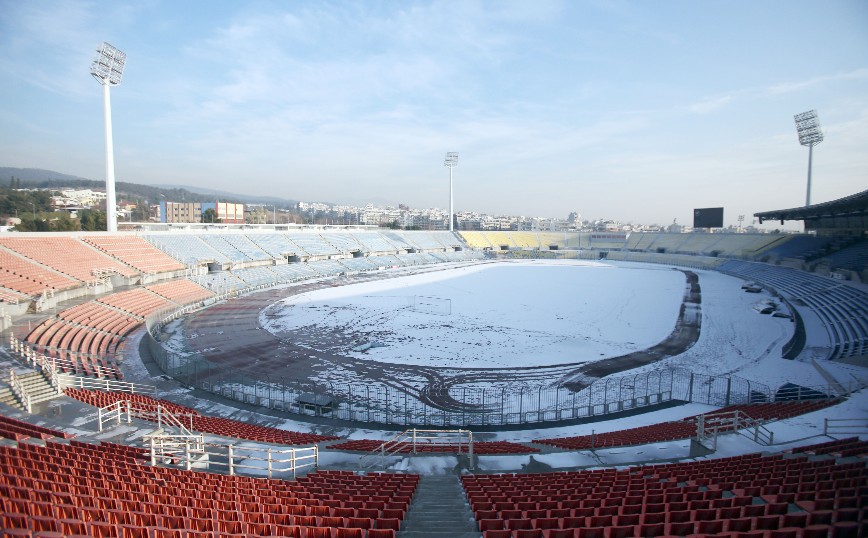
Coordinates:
(853, 205)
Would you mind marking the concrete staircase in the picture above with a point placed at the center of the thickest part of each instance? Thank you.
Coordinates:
(36, 385)
(439, 509)
(7, 397)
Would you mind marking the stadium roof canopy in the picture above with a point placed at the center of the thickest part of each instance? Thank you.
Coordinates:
(848, 212)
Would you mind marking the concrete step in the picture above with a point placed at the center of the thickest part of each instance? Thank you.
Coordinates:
(37, 387)
(7, 397)
(439, 508)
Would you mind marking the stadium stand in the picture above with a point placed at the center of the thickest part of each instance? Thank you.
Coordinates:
(841, 308)
(476, 240)
(53, 486)
(277, 245)
(479, 447)
(188, 249)
(346, 243)
(135, 252)
(400, 240)
(686, 428)
(220, 281)
(73, 488)
(80, 261)
(228, 248)
(181, 291)
(755, 495)
(374, 242)
(313, 244)
(28, 278)
(201, 423)
(139, 302)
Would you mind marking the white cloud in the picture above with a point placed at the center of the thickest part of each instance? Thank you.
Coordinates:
(790, 87)
(711, 104)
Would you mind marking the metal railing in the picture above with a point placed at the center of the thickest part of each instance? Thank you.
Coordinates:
(38, 360)
(116, 411)
(71, 381)
(709, 426)
(461, 440)
(503, 404)
(845, 426)
(19, 391)
(183, 452)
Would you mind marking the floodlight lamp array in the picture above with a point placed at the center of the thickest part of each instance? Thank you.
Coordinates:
(451, 159)
(108, 65)
(808, 128)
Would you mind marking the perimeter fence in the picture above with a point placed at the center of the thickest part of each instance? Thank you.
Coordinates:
(507, 403)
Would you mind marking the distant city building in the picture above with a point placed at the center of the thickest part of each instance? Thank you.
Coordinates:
(227, 213)
(191, 212)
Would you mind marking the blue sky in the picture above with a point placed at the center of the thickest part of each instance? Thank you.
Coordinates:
(636, 111)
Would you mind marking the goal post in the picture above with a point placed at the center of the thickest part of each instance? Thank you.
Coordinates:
(430, 305)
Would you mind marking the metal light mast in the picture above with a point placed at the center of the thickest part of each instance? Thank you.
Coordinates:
(451, 162)
(108, 69)
(810, 134)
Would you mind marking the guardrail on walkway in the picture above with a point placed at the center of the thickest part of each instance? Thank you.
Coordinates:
(845, 426)
(709, 426)
(181, 451)
(71, 381)
(462, 440)
(20, 391)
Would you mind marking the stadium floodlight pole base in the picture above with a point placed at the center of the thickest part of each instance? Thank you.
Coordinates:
(111, 217)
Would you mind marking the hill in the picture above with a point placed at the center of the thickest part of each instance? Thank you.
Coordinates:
(37, 178)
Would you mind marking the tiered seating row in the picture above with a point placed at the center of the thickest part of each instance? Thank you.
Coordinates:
(67, 255)
(135, 252)
(483, 447)
(105, 491)
(841, 308)
(139, 302)
(313, 244)
(18, 430)
(9, 296)
(840, 448)
(83, 336)
(686, 428)
(236, 247)
(188, 249)
(215, 425)
(24, 276)
(745, 494)
(181, 291)
(374, 242)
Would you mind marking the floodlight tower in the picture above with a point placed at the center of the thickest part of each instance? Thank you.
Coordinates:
(108, 69)
(450, 163)
(810, 134)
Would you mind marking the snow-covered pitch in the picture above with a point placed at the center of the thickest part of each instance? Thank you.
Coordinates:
(535, 313)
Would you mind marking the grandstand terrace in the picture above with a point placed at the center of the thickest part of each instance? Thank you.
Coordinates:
(56, 483)
(79, 261)
(135, 252)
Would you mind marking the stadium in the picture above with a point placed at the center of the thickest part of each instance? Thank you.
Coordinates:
(360, 382)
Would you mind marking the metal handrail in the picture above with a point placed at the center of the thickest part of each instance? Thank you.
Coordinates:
(165, 450)
(844, 426)
(31, 356)
(71, 381)
(20, 391)
(413, 436)
(710, 425)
